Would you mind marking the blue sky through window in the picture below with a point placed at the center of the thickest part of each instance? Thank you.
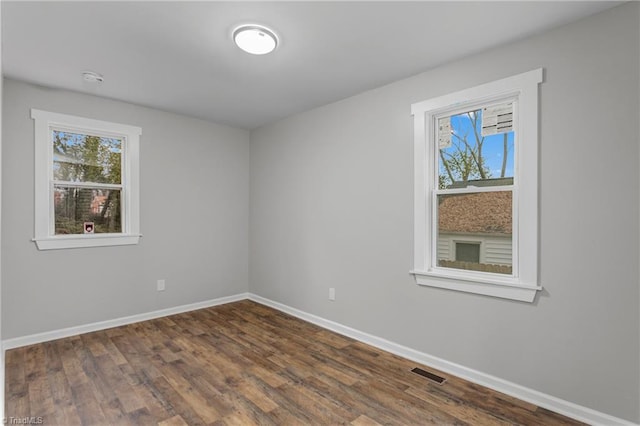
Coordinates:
(461, 156)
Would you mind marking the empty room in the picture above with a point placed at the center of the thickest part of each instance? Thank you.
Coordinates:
(319, 213)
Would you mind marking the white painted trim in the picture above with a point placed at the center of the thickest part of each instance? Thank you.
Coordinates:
(103, 325)
(45, 239)
(84, 241)
(540, 399)
(522, 89)
(476, 285)
(86, 124)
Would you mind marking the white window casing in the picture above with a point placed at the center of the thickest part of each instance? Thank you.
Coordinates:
(523, 284)
(45, 122)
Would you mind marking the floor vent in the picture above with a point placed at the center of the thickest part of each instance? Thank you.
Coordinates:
(433, 377)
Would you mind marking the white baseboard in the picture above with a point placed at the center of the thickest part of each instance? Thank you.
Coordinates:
(103, 325)
(540, 399)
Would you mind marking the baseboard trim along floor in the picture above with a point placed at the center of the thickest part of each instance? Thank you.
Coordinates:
(540, 399)
(32, 339)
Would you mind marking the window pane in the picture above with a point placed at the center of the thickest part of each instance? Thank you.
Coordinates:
(86, 158)
(481, 219)
(76, 206)
(468, 252)
(475, 152)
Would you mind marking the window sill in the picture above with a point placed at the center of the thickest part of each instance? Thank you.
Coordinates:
(507, 288)
(85, 241)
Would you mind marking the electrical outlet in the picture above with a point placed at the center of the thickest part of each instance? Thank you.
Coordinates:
(332, 293)
(160, 285)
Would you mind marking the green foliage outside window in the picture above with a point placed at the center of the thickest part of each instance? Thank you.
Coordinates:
(80, 158)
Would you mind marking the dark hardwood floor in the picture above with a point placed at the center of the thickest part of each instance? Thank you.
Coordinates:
(240, 364)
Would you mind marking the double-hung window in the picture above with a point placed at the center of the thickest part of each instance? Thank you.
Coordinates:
(86, 182)
(476, 196)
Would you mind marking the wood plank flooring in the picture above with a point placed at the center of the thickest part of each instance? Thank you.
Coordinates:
(240, 364)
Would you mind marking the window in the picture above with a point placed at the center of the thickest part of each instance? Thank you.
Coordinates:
(467, 252)
(476, 197)
(86, 176)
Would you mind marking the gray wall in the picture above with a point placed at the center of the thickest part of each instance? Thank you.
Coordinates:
(194, 217)
(331, 206)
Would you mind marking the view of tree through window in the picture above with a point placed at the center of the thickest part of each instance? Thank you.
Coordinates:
(87, 178)
(466, 155)
(476, 150)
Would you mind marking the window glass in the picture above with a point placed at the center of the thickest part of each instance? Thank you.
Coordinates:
(86, 158)
(471, 152)
(87, 182)
(477, 215)
(476, 188)
(76, 206)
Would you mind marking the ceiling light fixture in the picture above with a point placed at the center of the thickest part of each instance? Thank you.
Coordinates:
(92, 77)
(255, 39)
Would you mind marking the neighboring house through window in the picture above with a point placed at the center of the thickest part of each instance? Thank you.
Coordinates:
(87, 182)
(476, 174)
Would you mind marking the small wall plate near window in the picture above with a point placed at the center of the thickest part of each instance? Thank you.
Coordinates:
(476, 194)
(87, 182)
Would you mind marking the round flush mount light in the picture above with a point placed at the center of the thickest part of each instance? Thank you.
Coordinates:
(255, 39)
(92, 77)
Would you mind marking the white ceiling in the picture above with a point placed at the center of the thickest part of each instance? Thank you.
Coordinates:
(179, 56)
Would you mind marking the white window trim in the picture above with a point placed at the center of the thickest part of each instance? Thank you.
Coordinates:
(45, 238)
(523, 285)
